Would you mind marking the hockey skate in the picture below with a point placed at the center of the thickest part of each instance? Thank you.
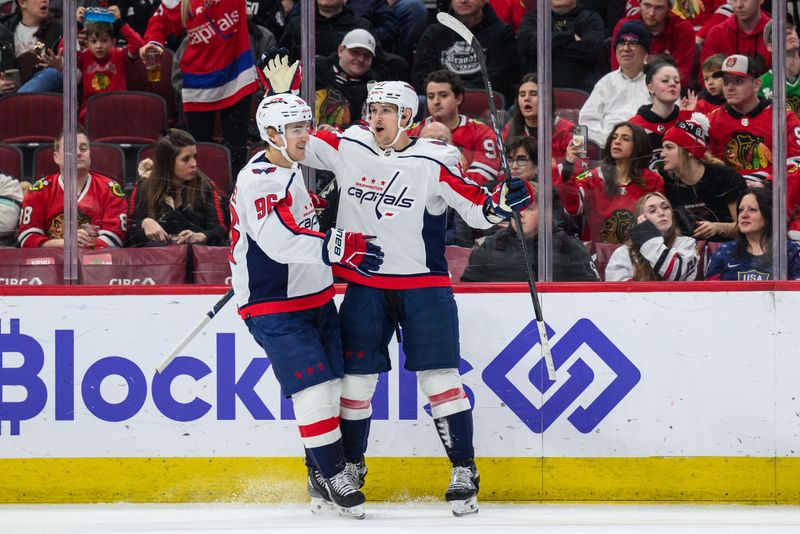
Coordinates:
(357, 473)
(320, 500)
(463, 491)
(348, 500)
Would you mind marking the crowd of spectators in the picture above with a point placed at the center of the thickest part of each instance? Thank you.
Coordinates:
(671, 149)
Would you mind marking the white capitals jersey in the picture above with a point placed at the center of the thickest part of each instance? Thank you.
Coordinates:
(402, 198)
(276, 246)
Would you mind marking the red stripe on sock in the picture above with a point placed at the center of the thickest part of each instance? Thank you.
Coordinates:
(319, 428)
(355, 404)
(447, 396)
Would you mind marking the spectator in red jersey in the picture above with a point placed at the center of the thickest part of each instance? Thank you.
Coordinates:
(174, 202)
(664, 85)
(217, 66)
(444, 91)
(712, 96)
(702, 14)
(741, 131)
(103, 66)
(101, 205)
(669, 34)
(577, 44)
(655, 249)
(740, 34)
(607, 194)
(525, 118)
(697, 185)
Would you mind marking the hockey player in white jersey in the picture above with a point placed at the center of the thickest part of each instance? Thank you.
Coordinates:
(283, 284)
(398, 189)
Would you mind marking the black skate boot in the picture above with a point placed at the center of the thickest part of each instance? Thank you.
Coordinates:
(347, 498)
(357, 472)
(320, 500)
(463, 491)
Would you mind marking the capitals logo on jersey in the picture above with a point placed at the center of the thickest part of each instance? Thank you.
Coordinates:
(748, 152)
(379, 191)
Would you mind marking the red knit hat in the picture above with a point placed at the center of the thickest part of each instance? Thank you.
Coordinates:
(690, 135)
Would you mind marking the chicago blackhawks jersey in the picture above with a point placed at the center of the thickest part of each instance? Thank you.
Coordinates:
(401, 197)
(101, 202)
(276, 247)
(608, 217)
(478, 144)
(744, 141)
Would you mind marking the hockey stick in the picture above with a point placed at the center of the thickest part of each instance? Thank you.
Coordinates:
(454, 24)
(196, 330)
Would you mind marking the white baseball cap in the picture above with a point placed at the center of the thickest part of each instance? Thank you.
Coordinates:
(359, 39)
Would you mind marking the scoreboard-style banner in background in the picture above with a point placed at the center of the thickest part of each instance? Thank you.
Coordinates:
(681, 395)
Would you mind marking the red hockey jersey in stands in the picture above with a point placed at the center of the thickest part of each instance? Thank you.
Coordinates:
(676, 39)
(217, 65)
(478, 144)
(793, 197)
(101, 202)
(608, 217)
(745, 141)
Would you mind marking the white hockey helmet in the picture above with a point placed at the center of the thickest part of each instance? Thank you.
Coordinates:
(401, 94)
(279, 110)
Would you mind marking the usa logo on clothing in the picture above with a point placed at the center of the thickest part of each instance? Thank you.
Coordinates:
(581, 336)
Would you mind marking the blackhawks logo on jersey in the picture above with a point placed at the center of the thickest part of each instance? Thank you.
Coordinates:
(116, 189)
(39, 185)
(747, 152)
(616, 226)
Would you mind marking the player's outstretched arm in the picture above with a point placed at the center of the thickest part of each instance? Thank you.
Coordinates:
(352, 250)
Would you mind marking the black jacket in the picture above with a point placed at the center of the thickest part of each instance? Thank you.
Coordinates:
(49, 33)
(337, 91)
(204, 216)
(499, 259)
(574, 62)
(440, 47)
(329, 32)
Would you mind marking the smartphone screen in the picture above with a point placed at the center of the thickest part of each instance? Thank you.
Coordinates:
(13, 75)
(580, 136)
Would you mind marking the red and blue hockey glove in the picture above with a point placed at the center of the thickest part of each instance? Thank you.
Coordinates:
(276, 74)
(515, 195)
(319, 203)
(352, 250)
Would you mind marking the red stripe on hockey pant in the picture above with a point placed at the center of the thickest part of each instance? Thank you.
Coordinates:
(355, 404)
(319, 428)
(447, 396)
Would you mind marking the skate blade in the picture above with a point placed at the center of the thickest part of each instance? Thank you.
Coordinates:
(320, 506)
(354, 512)
(466, 507)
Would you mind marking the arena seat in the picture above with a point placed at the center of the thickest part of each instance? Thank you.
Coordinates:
(134, 266)
(31, 117)
(476, 103)
(212, 158)
(604, 252)
(31, 266)
(136, 80)
(107, 159)
(211, 265)
(129, 117)
(11, 161)
(457, 259)
(567, 98)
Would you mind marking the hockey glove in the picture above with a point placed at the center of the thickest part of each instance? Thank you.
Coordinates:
(516, 196)
(319, 203)
(352, 250)
(276, 74)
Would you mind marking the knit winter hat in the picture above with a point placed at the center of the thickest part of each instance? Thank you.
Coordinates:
(633, 30)
(690, 135)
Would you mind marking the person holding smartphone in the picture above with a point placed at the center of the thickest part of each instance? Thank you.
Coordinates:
(28, 39)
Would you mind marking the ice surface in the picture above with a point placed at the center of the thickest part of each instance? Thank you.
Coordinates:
(389, 518)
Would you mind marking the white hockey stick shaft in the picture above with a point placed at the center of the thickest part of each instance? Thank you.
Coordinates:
(456, 25)
(196, 330)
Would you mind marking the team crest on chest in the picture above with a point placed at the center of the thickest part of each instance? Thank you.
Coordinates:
(387, 196)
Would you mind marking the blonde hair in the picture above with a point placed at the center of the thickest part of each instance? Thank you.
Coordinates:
(642, 269)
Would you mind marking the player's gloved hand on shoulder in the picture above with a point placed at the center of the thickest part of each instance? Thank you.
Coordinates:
(276, 74)
(351, 249)
(516, 195)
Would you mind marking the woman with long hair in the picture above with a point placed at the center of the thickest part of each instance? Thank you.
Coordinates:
(174, 202)
(525, 116)
(749, 255)
(701, 189)
(607, 195)
(664, 85)
(655, 249)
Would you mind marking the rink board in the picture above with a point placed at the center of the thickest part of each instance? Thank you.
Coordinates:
(660, 396)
